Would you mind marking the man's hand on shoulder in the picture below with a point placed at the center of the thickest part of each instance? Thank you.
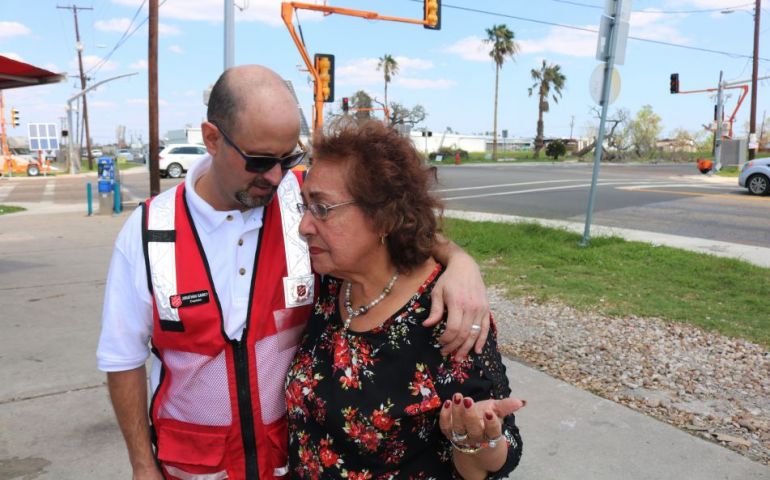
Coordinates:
(461, 292)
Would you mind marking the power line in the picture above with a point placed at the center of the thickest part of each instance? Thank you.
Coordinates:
(590, 30)
(704, 10)
(126, 35)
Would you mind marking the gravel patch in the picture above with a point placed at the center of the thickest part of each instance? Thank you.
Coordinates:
(710, 385)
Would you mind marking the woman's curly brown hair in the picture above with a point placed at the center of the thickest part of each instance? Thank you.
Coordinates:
(390, 182)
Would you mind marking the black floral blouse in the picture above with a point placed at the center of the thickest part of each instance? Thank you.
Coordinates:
(366, 405)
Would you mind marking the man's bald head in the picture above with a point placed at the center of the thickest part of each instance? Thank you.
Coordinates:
(251, 90)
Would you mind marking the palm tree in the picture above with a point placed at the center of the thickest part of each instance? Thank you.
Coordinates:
(389, 67)
(503, 46)
(547, 77)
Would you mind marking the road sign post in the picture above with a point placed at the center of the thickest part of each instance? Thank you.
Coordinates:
(616, 13)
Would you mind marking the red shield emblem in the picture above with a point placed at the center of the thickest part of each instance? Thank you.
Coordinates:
(301, 291)
(176, 301)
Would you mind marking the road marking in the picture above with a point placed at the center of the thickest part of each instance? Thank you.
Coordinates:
(48, 191)
(460, 189)
(5, 191)
(731, 196)
(674, 185)
(532, 190)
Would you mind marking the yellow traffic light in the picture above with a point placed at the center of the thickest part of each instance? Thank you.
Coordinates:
(15, 117)
(433, 14)
(324, 65)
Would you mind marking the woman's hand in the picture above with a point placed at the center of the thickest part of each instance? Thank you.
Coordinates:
(476, 433)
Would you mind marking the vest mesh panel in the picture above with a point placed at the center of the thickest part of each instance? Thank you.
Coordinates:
(198, 391)
(274, 354)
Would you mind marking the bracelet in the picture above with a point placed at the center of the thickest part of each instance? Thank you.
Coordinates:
(472, 449)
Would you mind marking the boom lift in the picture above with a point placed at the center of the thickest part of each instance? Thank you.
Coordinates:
(322, 68)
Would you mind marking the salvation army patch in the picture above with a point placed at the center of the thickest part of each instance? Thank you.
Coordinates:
(187, 299)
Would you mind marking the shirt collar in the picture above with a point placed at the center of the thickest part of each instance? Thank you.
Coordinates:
(206, 217)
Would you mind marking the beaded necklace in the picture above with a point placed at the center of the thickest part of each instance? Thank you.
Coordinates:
(365, 308)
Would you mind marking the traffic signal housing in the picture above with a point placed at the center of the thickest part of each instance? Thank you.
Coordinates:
(345, 104)
(432, 14)
(324, 65)
(674, 87)
(15, 117)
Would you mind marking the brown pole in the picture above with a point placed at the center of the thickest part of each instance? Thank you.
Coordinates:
(754, 75)
(152, 55)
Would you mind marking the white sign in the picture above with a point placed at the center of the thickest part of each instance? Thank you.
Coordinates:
(621, 31)
(597, 79)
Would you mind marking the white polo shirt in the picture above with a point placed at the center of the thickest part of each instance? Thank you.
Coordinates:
(229, 239)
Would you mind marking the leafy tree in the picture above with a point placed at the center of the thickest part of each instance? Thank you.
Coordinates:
(389, 67)
(501, 38)
(645, 128)
(556, 149)
(545, 78)
(401, 115)
(361, 99)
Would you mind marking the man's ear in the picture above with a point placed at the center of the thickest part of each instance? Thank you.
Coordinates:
(211, 137)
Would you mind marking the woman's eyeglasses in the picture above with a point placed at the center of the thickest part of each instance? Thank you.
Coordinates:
(320, 210)
(264, 163)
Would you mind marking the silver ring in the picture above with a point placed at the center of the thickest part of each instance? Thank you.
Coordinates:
(492, 442)
(459, 438)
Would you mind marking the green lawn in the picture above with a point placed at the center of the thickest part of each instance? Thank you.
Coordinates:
(621, 278)
(10, 209)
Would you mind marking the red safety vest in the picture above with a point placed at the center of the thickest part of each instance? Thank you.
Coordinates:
(219, 410)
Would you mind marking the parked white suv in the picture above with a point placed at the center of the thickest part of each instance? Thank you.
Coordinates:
(176, 159)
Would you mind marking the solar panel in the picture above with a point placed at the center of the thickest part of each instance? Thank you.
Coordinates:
(43, 136)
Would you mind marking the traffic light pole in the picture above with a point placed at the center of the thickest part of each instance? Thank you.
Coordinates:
(4, 139)
(431, 21)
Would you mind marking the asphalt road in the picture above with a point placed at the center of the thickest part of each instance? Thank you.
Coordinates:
(670, 199)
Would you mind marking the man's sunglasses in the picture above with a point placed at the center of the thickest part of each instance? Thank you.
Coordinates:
(264, 163)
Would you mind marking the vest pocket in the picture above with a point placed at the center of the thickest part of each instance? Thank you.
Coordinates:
(191, 449)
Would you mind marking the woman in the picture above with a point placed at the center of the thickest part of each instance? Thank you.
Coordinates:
(369, 394)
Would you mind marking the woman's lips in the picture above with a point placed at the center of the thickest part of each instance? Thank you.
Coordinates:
(316, 250)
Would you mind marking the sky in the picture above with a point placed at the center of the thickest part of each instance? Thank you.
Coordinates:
(448, 72)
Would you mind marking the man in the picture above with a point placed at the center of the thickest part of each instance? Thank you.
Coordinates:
(213, 273)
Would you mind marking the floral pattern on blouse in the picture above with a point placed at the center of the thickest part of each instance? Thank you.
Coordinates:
(365, 405)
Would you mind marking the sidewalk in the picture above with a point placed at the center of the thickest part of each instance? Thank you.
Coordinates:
(56, 421)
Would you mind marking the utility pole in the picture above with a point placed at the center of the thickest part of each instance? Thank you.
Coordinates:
(79, 47)
(717, 165)
(754, 73)
(229, 54)
(571, 126)
(152, 70)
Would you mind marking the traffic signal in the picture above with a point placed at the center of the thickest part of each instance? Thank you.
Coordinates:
(15, 117)
(324, 65)
(674, 83)
(345, 104)
(433, 14)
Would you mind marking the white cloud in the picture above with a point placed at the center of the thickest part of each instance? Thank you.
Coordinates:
(263, 11)
(363, 71)
(175, 49)
(90, 61)
(573, 43)
(655, 25)
(51, 67)
(140, 64)
(168, 30)
(13, 29)
(113, 25)
(13, 56)
(470, 48)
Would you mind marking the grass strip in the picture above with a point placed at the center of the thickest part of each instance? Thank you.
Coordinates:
(10, 209)
(621, 278)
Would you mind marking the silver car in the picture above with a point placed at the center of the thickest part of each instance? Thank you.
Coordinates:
(755, 176)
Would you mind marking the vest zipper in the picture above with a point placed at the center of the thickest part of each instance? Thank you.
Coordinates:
(246, 414)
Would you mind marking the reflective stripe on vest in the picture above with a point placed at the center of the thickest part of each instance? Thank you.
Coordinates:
(298, 284)
(162, 254)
